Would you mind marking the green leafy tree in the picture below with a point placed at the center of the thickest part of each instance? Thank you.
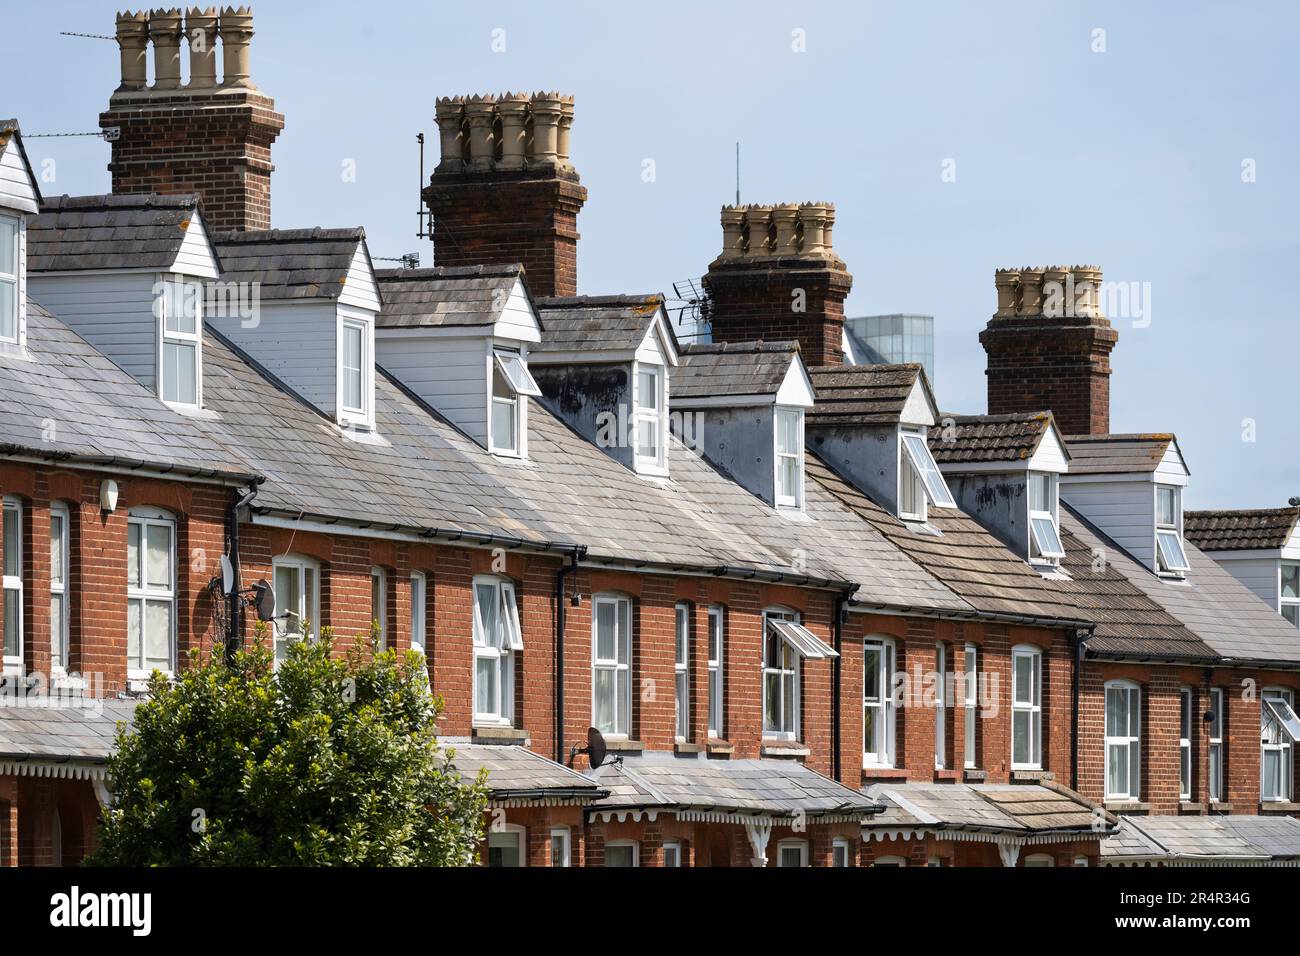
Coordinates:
(329, 760)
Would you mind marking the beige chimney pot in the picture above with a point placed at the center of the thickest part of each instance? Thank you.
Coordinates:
(566, 126)
(236, 29)
(512, 109)
(480, 111)
(1030, 301)
(449, 114)
(1008, 284)
(201, 35)
(165, 32)
(133, 45)
(786, 219)
(758, 218)
(546, 111)
(733, 232)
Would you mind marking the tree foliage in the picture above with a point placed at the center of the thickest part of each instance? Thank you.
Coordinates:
(327, 760)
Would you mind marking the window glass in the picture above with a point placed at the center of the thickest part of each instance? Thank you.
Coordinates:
(8, 278)
(1040, 492)
(503, 848)
(620, 854)
(353, 364)
(13, 583)
(505, 413)
(1166, 506)
(1291, 580)
(1026, 709)
(611, 665)
(923, 462)
(151, 598)
(1123, 741)
(681, 676)
(789, 453)
(715, 672)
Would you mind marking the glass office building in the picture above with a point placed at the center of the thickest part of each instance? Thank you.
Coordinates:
(891, 339)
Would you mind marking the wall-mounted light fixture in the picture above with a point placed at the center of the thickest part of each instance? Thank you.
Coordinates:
(108, 495)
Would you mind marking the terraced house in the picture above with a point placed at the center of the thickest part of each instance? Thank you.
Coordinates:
(810, 618)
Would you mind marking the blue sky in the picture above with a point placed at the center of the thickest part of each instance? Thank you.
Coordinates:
(1130, 158)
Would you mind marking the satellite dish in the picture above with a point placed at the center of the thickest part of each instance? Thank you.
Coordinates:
(264, 600)
(597, 750)
(227, 575)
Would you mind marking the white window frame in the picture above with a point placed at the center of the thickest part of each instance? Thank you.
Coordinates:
(308, 609)
(787, 669)
(1288, 607)
(840, 850)
(497, 645)
(143, 594)
(1185, 725)
(673, 850)
(940, 706)
(1126, 745)
(784, 497)
(60, 646)
(1044, 542)
(1217, 701)
(1170, 533)
(620, 665)
(1033, 707)
(717, 673)
(910, 487)
(881, 751)
(790, 843)
(656, 463)
(889, 861)
(512, 368)
(970, 680)
(561, 846)
(1282, 746)
(379, 603)
(682, 670)
(934, 488)
(362, 416)
(1039, 859)
(13, 280)
(13, 586)
(172, 286)
(419, 609)
(520, 834)
(633, 844)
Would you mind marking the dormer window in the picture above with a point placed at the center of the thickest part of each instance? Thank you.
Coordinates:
(182, 324)
(650, 416)
(919, 479)
(510, 380)
(356, 374)
(789, 457)
(1170, 557)
(9, 280)
(1045, 539)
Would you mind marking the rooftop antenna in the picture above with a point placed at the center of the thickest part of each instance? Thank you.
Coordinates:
(692, 308)
(422, 231)
(409, 260)
(737, 172)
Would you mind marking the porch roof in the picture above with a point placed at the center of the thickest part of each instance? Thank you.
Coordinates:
(1016, 810)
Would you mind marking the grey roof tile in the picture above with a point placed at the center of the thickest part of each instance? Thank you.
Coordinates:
(981, 438)
(445, 296)
(605, 322)
(861, 394)
(515, 772)
(732, 368)
(1116, 454)
(108, 232)
(1243, 529)
(289, 263)
(63, 732)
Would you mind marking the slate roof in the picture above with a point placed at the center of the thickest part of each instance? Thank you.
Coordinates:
(66, 401)
(516, 773)
(1209, 839)
(1245, 529)
(1016, 809)
(963, 556)
(1116, 454)
(1209, 602)
(445, 296)
(289, 263)
(734, 368)
(78, 733)
(754, 787)
(861, 394)
(108, 232)
(979, 438)
(617, 323)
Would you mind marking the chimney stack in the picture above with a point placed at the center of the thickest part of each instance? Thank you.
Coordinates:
(207, 136)
(1049, 347)
(504, 190)
(778, 278)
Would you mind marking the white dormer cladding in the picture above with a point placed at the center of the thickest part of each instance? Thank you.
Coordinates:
(19, 198)
(1272, 573)
(475, 374)
(1140, 510)
(758, 438)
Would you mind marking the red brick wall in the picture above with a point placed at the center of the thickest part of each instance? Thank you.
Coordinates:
(217, 145)
(499, 217)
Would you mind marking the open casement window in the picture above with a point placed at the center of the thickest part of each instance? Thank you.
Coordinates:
(511, 382)
(507, 846)
(916, 456)
(792, 853)
(181, 381)
(150, 593)
(379, 604)
(878, 705)
(611, 665)
(786, 643)
(940, 706)
(1123, 740)
(1170, 557)
(1216, 744)
(1278, 732)
(651, 416)
(682, 671)
(60, 651)
(497, 639)
(9, 266)
(1289, 604)
(13, 585)
(716, 627)
(297, 602)
(970, 689)
(1185, 743)
(1026, 708)
(1045, 539)
(789, 457)
(622, 853)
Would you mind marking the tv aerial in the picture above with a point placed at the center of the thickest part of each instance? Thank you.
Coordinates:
(597, 750)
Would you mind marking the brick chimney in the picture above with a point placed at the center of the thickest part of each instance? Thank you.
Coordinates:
(778, 278)
(206, 136)
(504, 190)
(1049, 347)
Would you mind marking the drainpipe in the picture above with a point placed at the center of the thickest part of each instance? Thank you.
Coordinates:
(837, 639)
(576, 555)
(1080, 639)
(235, 605)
